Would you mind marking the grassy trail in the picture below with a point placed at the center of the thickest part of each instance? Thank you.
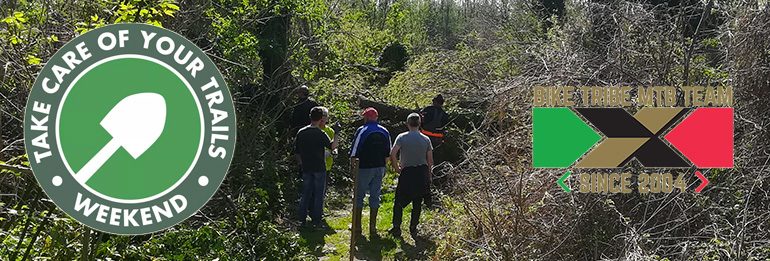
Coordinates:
(333, 243)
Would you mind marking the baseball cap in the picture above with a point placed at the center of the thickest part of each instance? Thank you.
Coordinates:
(369, 113)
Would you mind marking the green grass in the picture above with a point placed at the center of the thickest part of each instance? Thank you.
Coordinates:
(334, 243)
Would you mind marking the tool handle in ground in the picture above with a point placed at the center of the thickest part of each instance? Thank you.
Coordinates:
(354, 226)
(95, 163)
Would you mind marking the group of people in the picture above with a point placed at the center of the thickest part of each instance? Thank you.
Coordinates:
(410, 155)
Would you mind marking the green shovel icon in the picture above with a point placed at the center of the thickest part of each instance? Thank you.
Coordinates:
(135, 123)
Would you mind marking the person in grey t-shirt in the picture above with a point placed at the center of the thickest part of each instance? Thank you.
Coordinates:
(415, 168)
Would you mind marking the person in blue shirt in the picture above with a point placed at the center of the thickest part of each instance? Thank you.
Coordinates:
(371, 147)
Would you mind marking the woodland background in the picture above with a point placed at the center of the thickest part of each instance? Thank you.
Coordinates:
(484, 56)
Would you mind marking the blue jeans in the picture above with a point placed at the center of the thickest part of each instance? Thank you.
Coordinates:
(369, 180)
(313, 186)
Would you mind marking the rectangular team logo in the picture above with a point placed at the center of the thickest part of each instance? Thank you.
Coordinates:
(584, 128)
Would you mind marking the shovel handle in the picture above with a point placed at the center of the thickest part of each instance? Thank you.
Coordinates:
(85, 173)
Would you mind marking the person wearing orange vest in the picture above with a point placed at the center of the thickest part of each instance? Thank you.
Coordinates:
(434, 119)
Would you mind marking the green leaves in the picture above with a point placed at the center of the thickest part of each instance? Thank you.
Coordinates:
(132, 11)
(16, 25)
(168, 8)
(52, 38)
(16, 19)
(94, 21)
(15, 40)
(126, 12)
(33, 60)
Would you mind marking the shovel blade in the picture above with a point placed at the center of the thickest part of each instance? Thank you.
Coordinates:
(136, 122)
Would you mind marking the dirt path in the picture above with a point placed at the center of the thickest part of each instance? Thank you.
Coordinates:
(332, 243)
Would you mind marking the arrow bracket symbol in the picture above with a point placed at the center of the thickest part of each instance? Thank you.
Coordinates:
(703, 179)
(561, 180)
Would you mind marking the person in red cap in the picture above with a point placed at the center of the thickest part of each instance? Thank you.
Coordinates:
(371, 147)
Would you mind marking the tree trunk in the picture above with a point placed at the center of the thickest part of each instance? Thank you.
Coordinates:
(396, 116)
(274, 37)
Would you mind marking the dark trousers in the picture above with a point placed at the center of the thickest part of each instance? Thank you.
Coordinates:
(398, 213)
(412, 188)
(313, 186)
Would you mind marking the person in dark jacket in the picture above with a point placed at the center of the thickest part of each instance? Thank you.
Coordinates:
(371, 148)
(299, 117)
(434, 119)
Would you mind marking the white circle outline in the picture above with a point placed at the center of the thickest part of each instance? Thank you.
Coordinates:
(200, 113)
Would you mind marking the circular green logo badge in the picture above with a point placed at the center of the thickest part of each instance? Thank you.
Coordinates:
(130, 128)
